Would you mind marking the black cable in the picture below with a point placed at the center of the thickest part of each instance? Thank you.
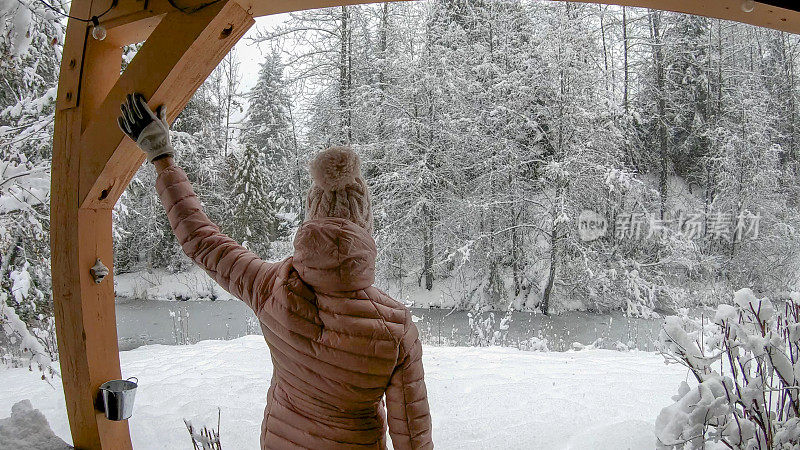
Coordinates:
(194, 9)
(93, 19)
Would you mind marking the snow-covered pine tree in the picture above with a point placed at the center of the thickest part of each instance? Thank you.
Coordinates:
(268, 123)
(264, 186)
(252, 198)
(31, 48)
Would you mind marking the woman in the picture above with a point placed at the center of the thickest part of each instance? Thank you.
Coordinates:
(337, 343)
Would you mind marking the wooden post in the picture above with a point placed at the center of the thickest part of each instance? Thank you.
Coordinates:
(85, 318)
(92, 165)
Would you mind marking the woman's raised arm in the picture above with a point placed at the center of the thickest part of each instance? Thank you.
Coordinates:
(238, 270)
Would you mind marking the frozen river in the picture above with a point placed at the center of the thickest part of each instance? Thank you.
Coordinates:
(142, 322)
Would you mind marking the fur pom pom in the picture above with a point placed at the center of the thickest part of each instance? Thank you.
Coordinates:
(335, 168)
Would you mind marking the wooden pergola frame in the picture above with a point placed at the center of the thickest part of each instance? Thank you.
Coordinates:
(93, 162)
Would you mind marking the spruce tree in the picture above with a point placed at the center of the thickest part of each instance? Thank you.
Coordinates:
(264, 179)
(253, 216)
(268, 126)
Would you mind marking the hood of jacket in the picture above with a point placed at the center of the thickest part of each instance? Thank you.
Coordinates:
(334, 255)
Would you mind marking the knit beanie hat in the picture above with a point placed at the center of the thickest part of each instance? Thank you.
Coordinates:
(337, 188)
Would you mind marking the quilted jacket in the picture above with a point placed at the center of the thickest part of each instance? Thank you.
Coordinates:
(338, 344)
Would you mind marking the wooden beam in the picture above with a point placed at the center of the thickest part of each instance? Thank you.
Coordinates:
(84, 311)
(763, 15)
(133, 28)
(179, 55)
(778, 14)
(269, 7)
(132, 20)
(785, 18)
(69, 75)
(99, 73)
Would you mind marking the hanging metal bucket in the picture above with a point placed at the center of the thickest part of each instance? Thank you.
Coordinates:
(118, 397)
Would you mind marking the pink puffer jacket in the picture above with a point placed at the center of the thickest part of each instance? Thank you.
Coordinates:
(337, 346)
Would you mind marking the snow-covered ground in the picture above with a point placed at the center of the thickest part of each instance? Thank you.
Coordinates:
(481, 398)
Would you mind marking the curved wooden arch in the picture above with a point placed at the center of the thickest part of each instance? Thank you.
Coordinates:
(93, 164)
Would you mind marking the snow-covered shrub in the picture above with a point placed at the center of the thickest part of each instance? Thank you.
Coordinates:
(432, 330)
(25, 286)
(614, 276)
(205, 438)
(480, 328)
(747, 366)
(605, 344)
(196, 285)
(27, 328)
(252, 326)
(180, 326)
(534, 344)
(20, 346)
(485, 330)
(641, 298)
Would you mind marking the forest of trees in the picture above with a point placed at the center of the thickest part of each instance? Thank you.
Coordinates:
(30, 45)
(485, 127)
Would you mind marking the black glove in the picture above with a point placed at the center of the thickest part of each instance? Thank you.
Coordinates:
(148, 130)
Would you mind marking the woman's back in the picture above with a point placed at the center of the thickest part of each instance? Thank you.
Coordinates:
(334, 365)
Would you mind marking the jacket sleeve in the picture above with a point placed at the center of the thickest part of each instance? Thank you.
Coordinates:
(406, 396)
(238, 270)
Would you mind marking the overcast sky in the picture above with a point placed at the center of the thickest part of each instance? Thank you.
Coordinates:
(249, 54)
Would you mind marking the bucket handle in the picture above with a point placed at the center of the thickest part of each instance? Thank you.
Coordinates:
(127, 379)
